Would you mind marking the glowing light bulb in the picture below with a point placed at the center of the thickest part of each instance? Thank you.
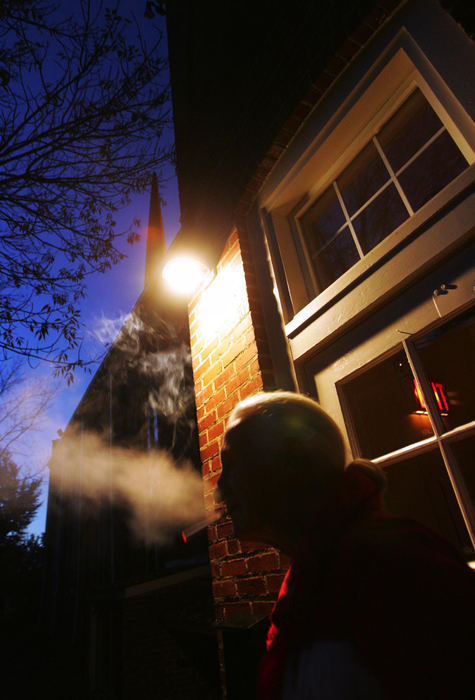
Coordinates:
(184, 275)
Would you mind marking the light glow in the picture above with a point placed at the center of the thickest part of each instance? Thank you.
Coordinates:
(184, 275)
(223, 304)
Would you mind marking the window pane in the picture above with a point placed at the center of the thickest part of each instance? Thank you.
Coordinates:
(464, 452)
(335, 259)
(409, 129)
(447, 356)
(321, 222)
(384, 409)
(380, 218)
(362, 178)
(432, 170)
(420, 488)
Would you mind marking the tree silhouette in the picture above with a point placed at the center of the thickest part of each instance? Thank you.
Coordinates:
(19, 501)
(83, 107)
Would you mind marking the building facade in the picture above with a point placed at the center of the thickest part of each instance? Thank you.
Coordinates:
(325, 163)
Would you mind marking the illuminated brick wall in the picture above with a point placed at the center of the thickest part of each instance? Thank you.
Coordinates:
(230, 362)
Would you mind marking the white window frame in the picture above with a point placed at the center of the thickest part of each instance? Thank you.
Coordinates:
(400, 70)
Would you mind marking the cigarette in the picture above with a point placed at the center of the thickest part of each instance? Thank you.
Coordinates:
(200, 525)
(194, 528)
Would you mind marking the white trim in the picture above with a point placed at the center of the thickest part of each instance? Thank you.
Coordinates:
(353, 122)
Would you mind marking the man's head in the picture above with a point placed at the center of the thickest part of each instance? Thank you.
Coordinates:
(280, 452)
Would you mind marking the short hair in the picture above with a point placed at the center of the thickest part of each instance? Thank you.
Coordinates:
(290, 436)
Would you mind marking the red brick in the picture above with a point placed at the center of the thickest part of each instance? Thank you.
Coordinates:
(225, 529)
(274, 582)
(233, 567)
(263, 607)
(203, 438)
(231, 250)
(238, 346)
(254, 386)
(243, 327)
(232, 610)
(226, 407)
(284, 561)
(232, 259)
(218, 550)
(222, 589)
(206, 468)
(207, 420)
(251, 586)
(212, 534)
(209, 501)
(250, 547)
(247, 356)
(211, 375)
(209, 451)
(234, 546)
(224, 376)
(216, 464)
(211, 346)
(210, 482)
(204, 394)
(237, 380)
(201, 369)
(263, 562)
(197, 344)
(255, 367)
(216, 355)
(216, 431)
(218, 397)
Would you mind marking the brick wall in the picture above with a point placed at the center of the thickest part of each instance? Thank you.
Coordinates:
(231, 362)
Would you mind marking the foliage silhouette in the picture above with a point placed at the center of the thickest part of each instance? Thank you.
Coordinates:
(83, 107)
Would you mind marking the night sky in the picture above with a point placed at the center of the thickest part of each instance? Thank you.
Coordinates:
(110, 297)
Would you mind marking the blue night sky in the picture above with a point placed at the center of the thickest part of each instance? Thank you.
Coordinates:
(110, 298)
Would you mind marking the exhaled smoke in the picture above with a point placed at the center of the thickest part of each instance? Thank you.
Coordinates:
(171, 395)
(160, 496)
(105, 330)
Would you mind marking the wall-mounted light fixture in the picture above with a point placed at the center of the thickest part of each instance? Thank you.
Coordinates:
(184, 275)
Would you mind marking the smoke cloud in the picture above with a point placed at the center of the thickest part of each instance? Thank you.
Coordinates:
(160, 496)
(149, 381)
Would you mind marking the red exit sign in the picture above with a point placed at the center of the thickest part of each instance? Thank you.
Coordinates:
(439, 395)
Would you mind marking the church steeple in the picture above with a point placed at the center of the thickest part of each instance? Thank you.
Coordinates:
(155, 235)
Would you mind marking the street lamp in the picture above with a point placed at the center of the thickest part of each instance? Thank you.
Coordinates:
(184, 275)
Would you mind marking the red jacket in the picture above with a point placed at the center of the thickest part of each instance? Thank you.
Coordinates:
(396, 591)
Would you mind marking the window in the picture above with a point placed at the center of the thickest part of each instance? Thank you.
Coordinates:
(407, 162)
(414, 413)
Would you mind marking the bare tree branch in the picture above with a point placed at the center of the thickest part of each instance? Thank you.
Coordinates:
(83, 107)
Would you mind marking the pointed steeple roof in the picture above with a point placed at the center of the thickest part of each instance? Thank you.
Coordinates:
(155, 235)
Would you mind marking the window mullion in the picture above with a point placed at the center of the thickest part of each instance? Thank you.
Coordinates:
(347, 217)
(421, 150)
(456, 479)
(393, 176)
